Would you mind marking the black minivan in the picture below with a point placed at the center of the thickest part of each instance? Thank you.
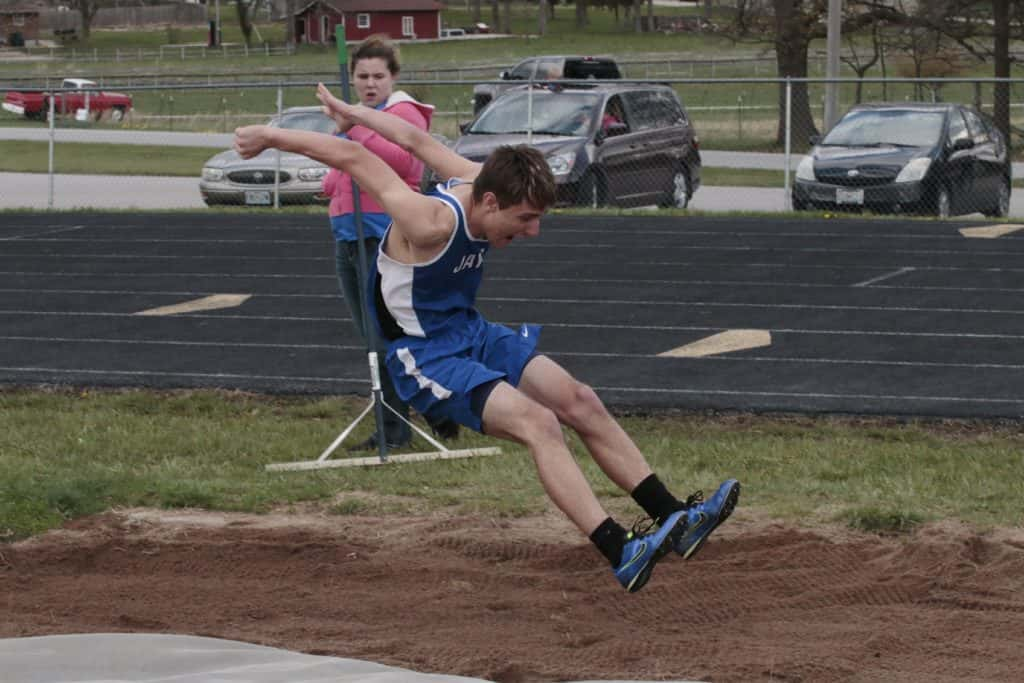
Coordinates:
(611, 143)
(545, 68)
(936, 159)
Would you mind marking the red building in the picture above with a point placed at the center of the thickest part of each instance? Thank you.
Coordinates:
(18, 24)
(398, 19)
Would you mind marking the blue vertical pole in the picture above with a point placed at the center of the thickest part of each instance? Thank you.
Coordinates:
(357, 215)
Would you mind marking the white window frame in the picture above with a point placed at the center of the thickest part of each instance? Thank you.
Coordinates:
(408, 26)
(363, 20)
(18, 20)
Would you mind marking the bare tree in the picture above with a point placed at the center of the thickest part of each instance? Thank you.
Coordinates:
(581, 13)
(246, 10)
(289, 10)
(792, 25)
(475, 12)
(984, 28)
(542, 17)
(861, 65)
(87, 10)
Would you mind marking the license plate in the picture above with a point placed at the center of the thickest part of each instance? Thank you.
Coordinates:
(257, 197)
(849, 196)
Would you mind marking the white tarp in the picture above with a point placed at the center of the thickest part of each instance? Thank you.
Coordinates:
(161, 658)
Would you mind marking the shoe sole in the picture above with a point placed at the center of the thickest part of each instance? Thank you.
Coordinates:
(640, 580)
(727, 507)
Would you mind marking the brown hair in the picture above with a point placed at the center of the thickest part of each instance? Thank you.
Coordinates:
(376, 46)
(516, 174)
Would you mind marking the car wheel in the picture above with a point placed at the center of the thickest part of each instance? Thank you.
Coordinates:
(1002, 206)
(799, 204)
(678, 196)
(592, 190)
(942, 203)
(117, 114)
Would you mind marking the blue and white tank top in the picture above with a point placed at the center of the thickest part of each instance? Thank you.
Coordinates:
(430, 298)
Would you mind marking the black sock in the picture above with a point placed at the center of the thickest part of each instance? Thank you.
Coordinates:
(654, 498)
(609, 538)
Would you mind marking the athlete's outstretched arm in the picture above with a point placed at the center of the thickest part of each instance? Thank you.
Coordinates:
(422, 221)
(444, 161)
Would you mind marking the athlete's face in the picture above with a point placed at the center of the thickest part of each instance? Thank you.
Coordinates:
(374, 83)
(501, 226)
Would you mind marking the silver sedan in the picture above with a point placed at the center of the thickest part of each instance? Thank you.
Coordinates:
(229, 179)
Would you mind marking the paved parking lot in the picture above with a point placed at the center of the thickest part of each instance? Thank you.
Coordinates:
(860, 316)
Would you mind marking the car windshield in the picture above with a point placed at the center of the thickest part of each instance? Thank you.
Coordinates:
(554, 113)
(314, 121)
(874, 127)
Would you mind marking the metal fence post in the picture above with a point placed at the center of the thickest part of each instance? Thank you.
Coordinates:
(53, 117)
(788, 199)
(277, 167)
(739, 117)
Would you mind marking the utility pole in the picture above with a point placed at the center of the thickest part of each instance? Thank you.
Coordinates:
(835, 16)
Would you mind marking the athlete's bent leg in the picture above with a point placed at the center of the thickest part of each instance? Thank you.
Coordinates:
(510, 414)
(578, 407)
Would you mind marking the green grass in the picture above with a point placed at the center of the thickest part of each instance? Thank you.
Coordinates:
(74, 157)
(68, 453)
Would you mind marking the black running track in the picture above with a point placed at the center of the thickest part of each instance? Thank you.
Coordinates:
(866, 317)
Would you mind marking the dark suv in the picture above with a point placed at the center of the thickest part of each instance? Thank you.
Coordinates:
(623, 144)
(545, 69)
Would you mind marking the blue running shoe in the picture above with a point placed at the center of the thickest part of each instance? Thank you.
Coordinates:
(704, 516)
(642, 550)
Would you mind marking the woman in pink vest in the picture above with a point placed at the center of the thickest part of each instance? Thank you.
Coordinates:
(374, 68)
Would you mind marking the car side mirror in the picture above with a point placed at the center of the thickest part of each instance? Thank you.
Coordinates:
(463, 127)
(963, 143)
(814, 139)
(505, 75)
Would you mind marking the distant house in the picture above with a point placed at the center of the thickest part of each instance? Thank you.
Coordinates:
(18, 22)
(408, 19)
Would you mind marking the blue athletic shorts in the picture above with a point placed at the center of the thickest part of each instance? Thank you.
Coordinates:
(437, 376)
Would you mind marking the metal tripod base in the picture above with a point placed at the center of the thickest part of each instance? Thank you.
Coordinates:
(322, 462)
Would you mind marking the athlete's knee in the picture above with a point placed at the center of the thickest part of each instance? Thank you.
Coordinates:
(581, 405)
(540, 424)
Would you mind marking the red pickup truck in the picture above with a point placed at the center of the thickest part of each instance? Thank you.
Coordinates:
(77, 97)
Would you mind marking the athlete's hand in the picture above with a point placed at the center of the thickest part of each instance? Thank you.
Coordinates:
(339, 110)
(251, 140)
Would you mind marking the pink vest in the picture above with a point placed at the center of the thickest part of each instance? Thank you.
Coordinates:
(338, 185)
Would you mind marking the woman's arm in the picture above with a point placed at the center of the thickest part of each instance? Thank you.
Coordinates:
(402, 161)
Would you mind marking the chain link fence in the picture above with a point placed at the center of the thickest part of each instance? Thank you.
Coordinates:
(936, 148)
